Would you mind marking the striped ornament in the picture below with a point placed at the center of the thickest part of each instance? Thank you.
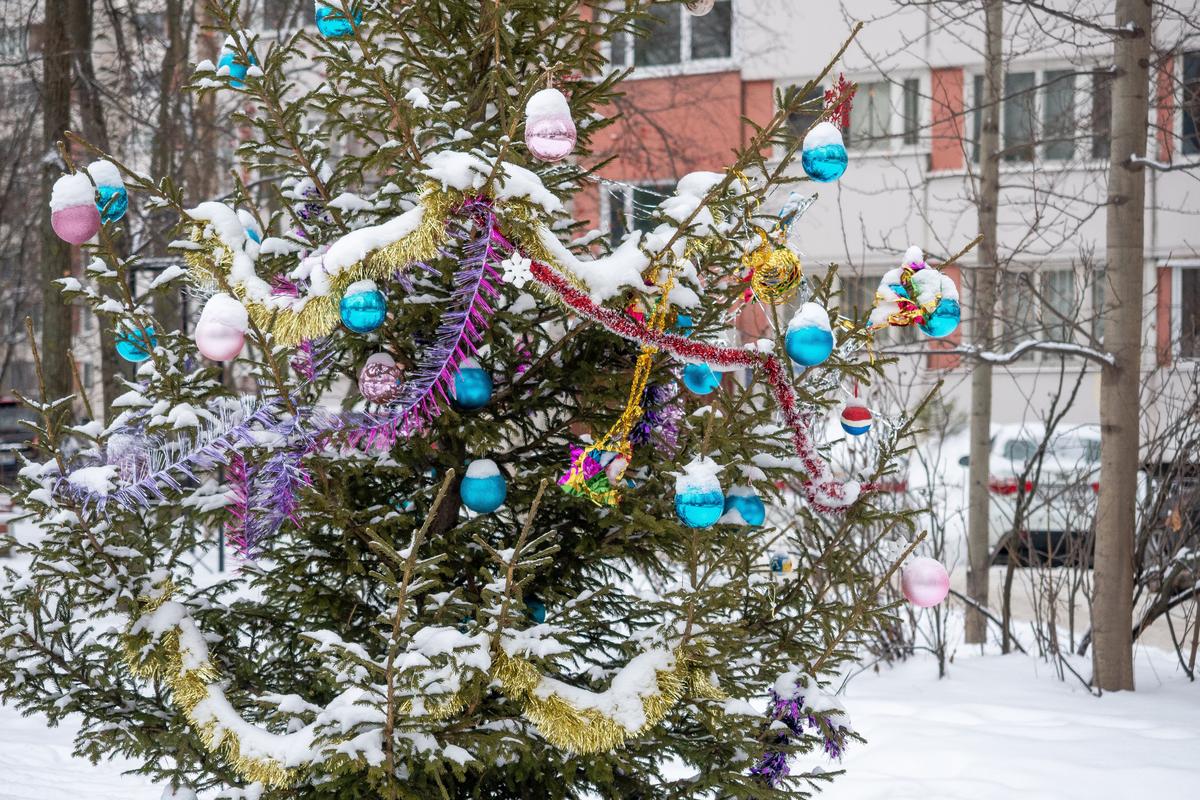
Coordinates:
(856, 418)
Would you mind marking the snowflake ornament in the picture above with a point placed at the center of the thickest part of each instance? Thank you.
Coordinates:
(517, 270)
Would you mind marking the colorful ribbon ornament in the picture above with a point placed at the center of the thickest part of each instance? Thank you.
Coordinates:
(597, 471)
(911, 312)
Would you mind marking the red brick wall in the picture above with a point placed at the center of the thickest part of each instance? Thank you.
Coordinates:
(1164, 104)
(946, 131)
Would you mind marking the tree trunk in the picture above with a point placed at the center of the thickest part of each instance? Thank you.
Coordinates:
(95, 129)
(983, 299)
(1112, 604)
(56, 254)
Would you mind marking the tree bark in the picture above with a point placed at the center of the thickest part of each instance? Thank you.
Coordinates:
(80, 17)
(983, 299)
(56, 254)
(1112, 603)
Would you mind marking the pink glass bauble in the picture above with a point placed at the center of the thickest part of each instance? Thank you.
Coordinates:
(218, 341)
(925, 582)
(699, 8)
(76, 224)
(379, 379)
(551, 138)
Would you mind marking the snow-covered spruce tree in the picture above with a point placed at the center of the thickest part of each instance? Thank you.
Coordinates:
(380, 638)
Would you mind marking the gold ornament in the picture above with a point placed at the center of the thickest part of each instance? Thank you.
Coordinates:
(775, 270)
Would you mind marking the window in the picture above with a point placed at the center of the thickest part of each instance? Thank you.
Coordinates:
(1101, 114)
(1058, 114)
(631, 208)
(858, 295)
(1060, 306)
(912, 110)
(1040, 116)
(1189, 312)
(1017, 126)
(1191, 103)
(12, 43)
(671, 36)
(870, 115)
(800, 121)
(282, 15)
(1038, 305)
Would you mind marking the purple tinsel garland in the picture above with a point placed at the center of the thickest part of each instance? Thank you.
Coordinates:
(772, 766)
(660, 421)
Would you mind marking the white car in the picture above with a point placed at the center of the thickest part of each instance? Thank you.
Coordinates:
(1057, 498)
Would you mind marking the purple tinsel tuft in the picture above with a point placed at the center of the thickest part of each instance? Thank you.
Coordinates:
(660, 421)
(772, 766)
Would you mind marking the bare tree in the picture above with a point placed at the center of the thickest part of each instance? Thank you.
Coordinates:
(1112, 605)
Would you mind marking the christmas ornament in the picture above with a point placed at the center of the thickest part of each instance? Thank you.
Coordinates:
(743, 506)
(684, 324)
(798, 702)
(699, 8)
(221, 331)
(472, 386)
(783, 565)
(483, 489)
(536, 609)
(136, 345)
(228, 64)
(379, 379)
(856, 418)
(775, 271)
(824, 153)
(699, 501)
(917, 294)
(363, 307)
(112, 200)
(809, 339)
(549, 129)
(331, 19)
(701, 378)
(73, 212)
(925, 582)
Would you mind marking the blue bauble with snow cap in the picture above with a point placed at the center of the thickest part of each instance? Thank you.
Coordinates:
(484, 489)
(743, 506)
(135, 345)
(472, 386)
(824, 153)
(235, 69)
(699, 501)
(809, 339)
(112, 200)
(363, 307)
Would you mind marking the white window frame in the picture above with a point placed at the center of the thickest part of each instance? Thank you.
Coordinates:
(893, 144)
(1176, 309)
(664, 186)
(687, 65)
(1039, 160)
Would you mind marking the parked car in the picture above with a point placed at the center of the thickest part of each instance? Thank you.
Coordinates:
(1057, 501)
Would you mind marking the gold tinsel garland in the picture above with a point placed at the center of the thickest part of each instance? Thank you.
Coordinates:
(563, 724)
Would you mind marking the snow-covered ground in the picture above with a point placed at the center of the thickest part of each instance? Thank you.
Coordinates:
(997, 727)
(1006, 727)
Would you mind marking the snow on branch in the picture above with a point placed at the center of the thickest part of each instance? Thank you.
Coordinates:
(1029, 345)
(1161, 166)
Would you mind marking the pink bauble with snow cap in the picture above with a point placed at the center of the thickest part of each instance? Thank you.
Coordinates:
(379, 379)
(221, 332)
(73, 212)
(549, 129)
(925, 582)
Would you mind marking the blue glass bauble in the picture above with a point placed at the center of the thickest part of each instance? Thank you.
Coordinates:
(472, 388)
(944, 319)
(113, 202)
(825, 163)
(332, 22)
(537, 610)
(809, 345)
(363, 312)
(748, 504)
(684, 324)
(699, 509)
(237, 70)
(253, 235)
(701, 378)
(483, 495)
(135, 346)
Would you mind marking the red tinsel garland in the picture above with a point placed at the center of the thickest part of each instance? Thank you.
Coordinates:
(824, 492)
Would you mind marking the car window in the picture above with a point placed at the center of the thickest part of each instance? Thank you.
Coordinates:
(1019, 449)
(1077, 450)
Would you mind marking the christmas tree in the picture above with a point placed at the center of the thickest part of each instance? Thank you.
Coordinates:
(514, 516)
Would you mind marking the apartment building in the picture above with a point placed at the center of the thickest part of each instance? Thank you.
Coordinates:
(912, 141)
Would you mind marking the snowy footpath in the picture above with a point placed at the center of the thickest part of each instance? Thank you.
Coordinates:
(996, 727)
